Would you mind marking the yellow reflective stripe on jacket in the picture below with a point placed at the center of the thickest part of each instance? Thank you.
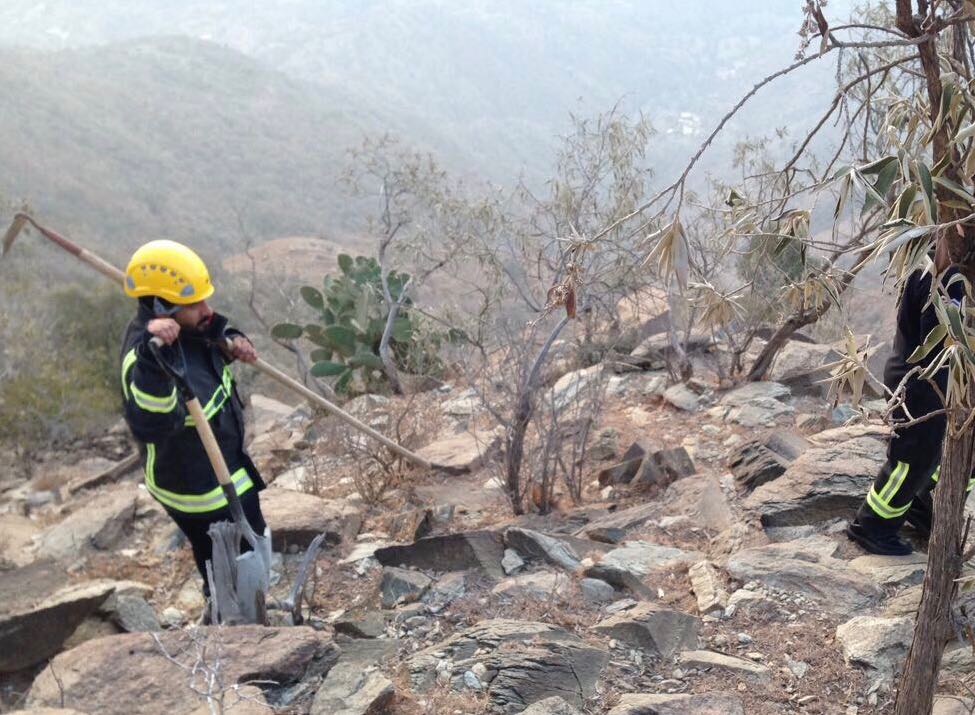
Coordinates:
(192, 503)
(217, 401)
(218, 398)
(154, 403)
(127, 362)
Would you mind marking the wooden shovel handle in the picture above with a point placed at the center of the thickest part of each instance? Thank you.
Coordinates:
(209, 442)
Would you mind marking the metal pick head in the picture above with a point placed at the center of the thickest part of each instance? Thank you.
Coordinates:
(10, 236)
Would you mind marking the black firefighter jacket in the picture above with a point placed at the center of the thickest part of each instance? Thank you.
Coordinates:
(921, 442)
(178, 473)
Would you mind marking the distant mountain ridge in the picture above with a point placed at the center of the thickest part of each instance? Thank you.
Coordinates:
(255, 104)
(173, 137)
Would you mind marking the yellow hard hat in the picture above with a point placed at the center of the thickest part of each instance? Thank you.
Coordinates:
(170, 271)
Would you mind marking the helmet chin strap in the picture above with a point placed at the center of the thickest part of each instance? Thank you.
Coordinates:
(164, 307)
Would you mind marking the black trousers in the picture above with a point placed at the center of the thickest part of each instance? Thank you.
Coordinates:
(195, 527)
(913, 458)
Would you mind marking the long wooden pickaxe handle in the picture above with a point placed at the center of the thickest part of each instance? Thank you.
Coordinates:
(114, 274)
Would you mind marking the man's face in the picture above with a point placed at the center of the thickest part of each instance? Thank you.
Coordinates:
(195, 316)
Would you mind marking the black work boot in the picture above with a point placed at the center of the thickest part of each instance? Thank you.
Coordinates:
(921, 515)
(884, 542)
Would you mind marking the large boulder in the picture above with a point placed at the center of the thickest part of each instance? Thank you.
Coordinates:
(99, 522)
(522, 662)
(662, 631)
(697, 704)
(33, 627)
(822, 483)
(295, 518)
(136, 673)
(482, 550)
(807, 567)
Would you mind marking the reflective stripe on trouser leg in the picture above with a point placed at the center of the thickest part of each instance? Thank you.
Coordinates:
(937, 473)
(884, 502)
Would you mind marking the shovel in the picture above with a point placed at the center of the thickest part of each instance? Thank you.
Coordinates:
(239, 588)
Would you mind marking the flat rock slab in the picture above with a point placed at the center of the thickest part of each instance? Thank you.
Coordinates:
(823, 483)
(892, 570)
(481, 550)
(755, 404)
(536, 545)
(100, 522)
(624, 520)
(348, 689)
(534, 585)
(463, 451)
(551, 706)
(710, 660)
(806, 566)
(952, 705)
(108, 675)
(642, 557)
(698, 704)
(295, 518)
(368, 625)
(529, 662)
(662, 631)
(38, 630)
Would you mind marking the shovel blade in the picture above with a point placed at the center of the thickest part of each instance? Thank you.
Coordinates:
(20, 220)
(254, 579)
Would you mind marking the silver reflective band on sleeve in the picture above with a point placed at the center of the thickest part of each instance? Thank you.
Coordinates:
(154, 403)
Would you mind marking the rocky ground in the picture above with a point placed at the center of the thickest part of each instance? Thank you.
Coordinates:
(705, 572)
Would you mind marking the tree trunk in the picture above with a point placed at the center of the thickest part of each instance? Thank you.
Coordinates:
(524, 409)
(915, 696)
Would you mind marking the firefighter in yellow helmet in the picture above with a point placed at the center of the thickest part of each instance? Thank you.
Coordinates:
(172, 284)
